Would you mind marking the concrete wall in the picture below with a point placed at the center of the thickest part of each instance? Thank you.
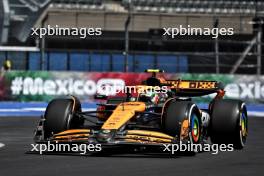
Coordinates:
(144, 22)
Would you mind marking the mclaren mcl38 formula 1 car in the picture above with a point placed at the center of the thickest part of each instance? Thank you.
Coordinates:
(148, 118)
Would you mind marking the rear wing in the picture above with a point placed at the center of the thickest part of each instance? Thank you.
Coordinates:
(185, 87)
(193, 87)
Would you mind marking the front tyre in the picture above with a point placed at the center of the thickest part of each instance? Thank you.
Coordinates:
(229, 123)
(182, 119)
(60, 116)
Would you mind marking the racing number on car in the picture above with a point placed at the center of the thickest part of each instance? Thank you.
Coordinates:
(202, 85)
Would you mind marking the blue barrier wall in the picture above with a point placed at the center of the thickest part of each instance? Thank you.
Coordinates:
(92, 61)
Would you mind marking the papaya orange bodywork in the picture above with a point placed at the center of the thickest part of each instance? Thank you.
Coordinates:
(147, 136)
(149, 133)
(184, 129)
(72, 131)
(122, 114)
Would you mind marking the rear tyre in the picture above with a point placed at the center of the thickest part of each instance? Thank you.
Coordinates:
(175, 113)
(60, 116)
(229, 123)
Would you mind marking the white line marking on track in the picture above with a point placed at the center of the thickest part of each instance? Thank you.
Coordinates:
(2, 145)
(35, 109)
(256, 113)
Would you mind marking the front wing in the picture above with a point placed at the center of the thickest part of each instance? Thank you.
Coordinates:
(108, 137)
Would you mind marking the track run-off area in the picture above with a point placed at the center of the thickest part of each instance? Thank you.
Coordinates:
(19, 120)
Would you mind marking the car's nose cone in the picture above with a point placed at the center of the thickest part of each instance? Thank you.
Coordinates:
(105, 135)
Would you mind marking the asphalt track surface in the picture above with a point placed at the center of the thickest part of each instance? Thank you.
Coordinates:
(16, 133)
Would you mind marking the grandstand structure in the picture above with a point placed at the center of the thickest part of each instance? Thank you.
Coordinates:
(132, 37)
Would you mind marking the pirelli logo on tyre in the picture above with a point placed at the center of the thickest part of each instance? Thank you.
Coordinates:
(202, 85)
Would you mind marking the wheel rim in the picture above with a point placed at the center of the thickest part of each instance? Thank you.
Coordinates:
(195, 128)
(243, 127)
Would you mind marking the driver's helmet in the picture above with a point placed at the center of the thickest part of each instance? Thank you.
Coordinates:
(149, 96)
